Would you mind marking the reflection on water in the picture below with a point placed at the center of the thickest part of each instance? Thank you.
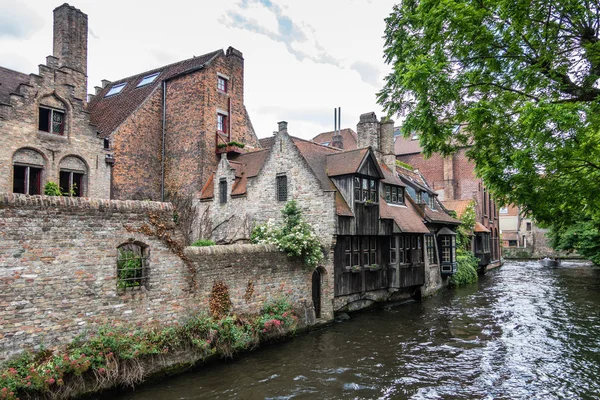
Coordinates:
(524, 331)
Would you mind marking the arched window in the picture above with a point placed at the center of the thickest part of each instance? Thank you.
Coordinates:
(28, 166)
(132, 265)
(73, 176)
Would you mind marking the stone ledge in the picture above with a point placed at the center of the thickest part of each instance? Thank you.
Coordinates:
(17, 200)
(194, 251)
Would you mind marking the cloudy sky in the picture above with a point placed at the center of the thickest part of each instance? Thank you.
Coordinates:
(302, 58)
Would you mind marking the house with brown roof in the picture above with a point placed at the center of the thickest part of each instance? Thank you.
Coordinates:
(348, 137)
(47, 135)
(167, 127)
(374, 234)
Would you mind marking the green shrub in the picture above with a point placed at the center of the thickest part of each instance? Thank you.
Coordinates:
(467, 269)
(203, 242)
(238, 144)
(52, 189)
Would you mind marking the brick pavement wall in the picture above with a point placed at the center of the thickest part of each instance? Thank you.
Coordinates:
(58, 260)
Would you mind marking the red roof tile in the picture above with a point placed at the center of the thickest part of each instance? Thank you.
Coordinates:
(480, 228)
(459, 206)
(267, 142)
(9, 82)
(390, 177)
(349, 138)
(316, 156)
(404, 145)
(346, 162)
(407, 218)
(439, 216)
(107, 113)
(208, 189)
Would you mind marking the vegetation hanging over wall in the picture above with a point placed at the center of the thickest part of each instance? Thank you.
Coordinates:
(467, 263)
(294, 236)
(115, 356)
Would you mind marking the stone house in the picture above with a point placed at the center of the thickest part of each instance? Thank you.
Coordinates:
(373, 232)
(44, 124)
(167, 126)
(453, 179)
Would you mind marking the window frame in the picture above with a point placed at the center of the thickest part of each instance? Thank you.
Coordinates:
(222, 123)
(50, 120)
(225, 87)
(69, 191)
(281, 187)
(27, 178)
(115, 89)
(150, 79)
(430, 249)
(141, 273)
(366, 189)
(222, 190)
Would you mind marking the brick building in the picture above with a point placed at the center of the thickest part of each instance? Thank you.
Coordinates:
(165, 126)
(453, 179)
(381, 243)
(45, 127)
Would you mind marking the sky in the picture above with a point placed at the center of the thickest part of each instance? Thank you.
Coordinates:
(302, 57)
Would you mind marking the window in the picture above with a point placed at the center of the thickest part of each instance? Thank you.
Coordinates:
(71, 183)
(360, 250)
(281, 187)
(430, 246)
(484, 202)
(106, 144)
(432, 202)
(503, 210)
(365, 189)
(419, 197)
(446, 249)
(132, 266)
(52, 121)
(223, 191)
(27, 179)
(116, 89)
(393, 258)
(512, 243)
(222, 84)
(222, 123)
(394, 194)
(528, 226)
(146, 80)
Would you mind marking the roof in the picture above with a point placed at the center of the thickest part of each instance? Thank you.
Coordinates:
(349, 138)
(267, 142)
(390, 177)
(460, 206)
(107, 113)
(403, 146)
(439, 216)
(246, 166)
(346, 162)
(413, 178)
(317, 157)
(479, 228)
(407, 218)
(9, 83)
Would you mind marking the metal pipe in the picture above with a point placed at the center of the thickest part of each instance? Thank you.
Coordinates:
(340, 120)
(162, 164)
(334, 121)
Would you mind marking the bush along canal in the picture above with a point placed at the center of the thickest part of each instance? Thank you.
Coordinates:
(523, 331)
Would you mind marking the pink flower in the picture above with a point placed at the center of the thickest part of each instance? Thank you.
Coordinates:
(101, 370)
(50, 381)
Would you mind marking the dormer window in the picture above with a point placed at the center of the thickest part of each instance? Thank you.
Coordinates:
(116, 89)
(222, 84)
(148, 79)
(365, 189)
(419, 197)
(394, 194)
(432, 202)
(52, 121)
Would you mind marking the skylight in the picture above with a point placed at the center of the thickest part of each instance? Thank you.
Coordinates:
(115, 89)
(148, 79)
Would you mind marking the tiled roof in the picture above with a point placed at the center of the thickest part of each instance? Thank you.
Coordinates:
(439, 216)
(390, 177)
(9, 82)
(107, 113)
(413, 178)
(346, 162)
(403, 146)
(406, 217)
(266, 142)
(317, 157)
(208, 189)
(480, 228)
(349, 138)
(459, 206)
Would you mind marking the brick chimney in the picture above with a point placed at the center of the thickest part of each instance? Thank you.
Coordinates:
(386, 140)
(367, 131)
(70, 38)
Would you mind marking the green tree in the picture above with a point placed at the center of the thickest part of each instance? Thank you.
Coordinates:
(515, 81)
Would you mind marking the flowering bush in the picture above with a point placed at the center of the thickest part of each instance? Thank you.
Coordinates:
(104, 356)
(294, 236)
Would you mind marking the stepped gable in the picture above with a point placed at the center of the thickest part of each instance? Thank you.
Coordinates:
(107, 113)
(9, 83)
(349, 138)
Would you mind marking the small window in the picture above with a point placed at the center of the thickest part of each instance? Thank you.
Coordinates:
(147, 80)
(223, 191)
(432, 202)
(132, 266)
(281, 187)
(27, 179)
(222, 123)
(419, 197)
(52, 121)
(71, 183)
(503, 210)
(388, 195)
(394, 195)
(222, 84)
(528, 226)
(106, 144)
(115, 89)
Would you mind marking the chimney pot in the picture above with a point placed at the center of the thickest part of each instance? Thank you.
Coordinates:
(282, 126)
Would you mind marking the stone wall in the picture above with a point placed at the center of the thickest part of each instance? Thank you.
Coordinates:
(58, 261)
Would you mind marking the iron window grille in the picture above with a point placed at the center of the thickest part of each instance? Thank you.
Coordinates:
(132, 266)
(51, 121)
(223, 191)
(282, 188)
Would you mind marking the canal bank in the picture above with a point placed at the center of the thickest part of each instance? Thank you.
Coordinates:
(521, 331)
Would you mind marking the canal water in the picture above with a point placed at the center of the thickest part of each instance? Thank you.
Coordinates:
(523, 332)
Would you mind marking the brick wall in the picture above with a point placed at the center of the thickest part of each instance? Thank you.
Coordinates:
(58, 261)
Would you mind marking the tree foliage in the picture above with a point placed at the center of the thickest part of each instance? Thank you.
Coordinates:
(516, 81)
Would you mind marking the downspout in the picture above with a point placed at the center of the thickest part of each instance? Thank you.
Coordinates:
(164, 118)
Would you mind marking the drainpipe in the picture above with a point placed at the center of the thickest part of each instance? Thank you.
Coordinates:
(164, 118)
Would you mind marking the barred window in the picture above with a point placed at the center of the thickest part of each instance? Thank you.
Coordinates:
(132, 266)
(223, 190)
(282, 187)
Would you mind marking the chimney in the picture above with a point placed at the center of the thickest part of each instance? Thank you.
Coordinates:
(282, 126)
(368, 131)
(337, 141)
(70, 38)
(387, 143)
